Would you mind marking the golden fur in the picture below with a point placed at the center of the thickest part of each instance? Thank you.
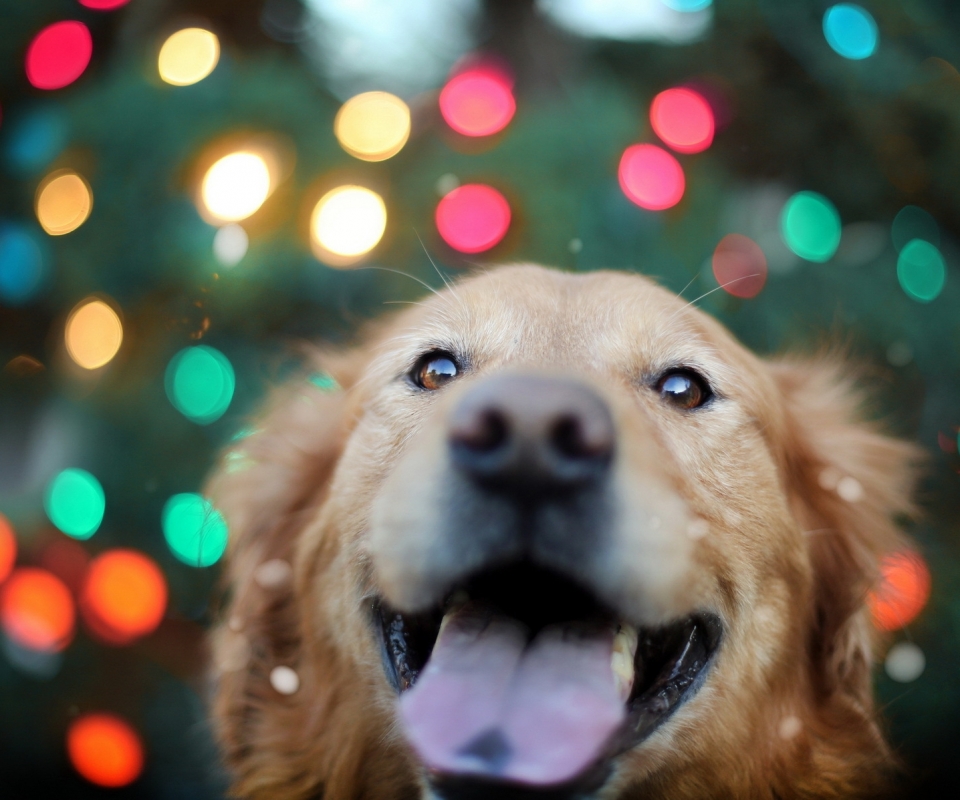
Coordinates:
(338, 483)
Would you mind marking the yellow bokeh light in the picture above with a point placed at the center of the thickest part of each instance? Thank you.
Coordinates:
(347, 223)
(64, 201)
(235, 186)
(188, 56)
(373, 126)
(93, 333)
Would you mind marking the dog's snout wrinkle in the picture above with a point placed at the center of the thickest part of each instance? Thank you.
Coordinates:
(523, 433)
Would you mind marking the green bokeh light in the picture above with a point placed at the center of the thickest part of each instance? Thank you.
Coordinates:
(912, 222)
(75, 503)
(200, 383)
(921, 271)
(195, 531)
(324, 381)
(810, 226)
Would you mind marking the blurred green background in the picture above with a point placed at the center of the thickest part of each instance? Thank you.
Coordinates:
(873, 134)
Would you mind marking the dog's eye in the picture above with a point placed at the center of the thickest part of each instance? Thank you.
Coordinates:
(434, 370)
(683, 388)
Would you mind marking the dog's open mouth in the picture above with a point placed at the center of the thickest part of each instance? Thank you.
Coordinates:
(521, 676)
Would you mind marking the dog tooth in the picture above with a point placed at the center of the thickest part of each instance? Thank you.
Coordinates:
(621, 659)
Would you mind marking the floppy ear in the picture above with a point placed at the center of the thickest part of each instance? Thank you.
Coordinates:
(268, 485)
(849, 484)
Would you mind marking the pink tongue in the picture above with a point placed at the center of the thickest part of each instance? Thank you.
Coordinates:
(488, 703)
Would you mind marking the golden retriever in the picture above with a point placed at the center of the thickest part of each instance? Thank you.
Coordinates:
(556, 536)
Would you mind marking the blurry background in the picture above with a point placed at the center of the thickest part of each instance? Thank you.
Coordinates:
(189, 188)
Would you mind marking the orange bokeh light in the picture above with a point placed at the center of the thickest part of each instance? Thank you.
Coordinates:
(36, 610)
(8, 548)
(105, 750)
(903, 590)
(124, 596)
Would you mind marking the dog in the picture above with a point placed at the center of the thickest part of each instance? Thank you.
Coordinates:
(556, 535)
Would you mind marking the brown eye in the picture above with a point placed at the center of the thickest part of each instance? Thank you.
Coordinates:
(684, 389)
(434, 371)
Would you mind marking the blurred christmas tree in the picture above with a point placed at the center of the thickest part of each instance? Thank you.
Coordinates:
(164, 190)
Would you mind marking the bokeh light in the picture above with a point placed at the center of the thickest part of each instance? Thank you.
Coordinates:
(75, 503)
(905, 662)
(124, 596)
(912, 222)
(230, 244)
(921, 270)
(651, 177)
(21, 265)
(687, 5)
(200, 382)
(347, 223)
(373, 126)
(8, 548)
(93, 333)
(195, 531)
(35, 139)
(64, 201)
(105, 750)
(739, 266)
(683, 119)
(59, 54)
(188, 56)
(103, 5)
(810, 226)
(478, 101)
(235, 186)
(903, 590)
(850, 30)
(36, 610)
(473, 217)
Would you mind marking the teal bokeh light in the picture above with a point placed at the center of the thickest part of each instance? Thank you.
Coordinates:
(810, 226)
(688, 5)
(75, 503)
(921, 270)
(912, 222)
(200, 382)
(851, 31)
(21, 265)
(195, 531)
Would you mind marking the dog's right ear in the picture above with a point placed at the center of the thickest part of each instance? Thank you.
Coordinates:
(268, 485)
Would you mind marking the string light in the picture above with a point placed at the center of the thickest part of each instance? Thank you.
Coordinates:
(105, 750)
(64, 201)
(188, 56)
(235, 186)
(473, 218)
(124, 596)
(347, 223)
(851, 31)
(683, 119)
(921, 270)
(93, 333)
(739, 266)
(651, 177)
(903, 590)
(8, 548)
(75, 503)
(810, 226)
(478, 101)
(195, 531)
(58, 55)
(36, 610)
(200, 382)
(373, 126)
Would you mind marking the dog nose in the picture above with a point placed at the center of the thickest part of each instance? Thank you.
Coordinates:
(526, 433)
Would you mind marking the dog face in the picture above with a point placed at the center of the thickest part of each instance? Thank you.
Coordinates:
(558, 536)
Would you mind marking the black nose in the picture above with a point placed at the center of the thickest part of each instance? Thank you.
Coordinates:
(527, 433)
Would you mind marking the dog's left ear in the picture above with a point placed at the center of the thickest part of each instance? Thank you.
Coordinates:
(850, 483)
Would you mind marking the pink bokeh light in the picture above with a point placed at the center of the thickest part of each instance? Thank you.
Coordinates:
(473, 218)
(683, 119)
(58, 55)
(478, 102)
(739, 266)
(651, 177)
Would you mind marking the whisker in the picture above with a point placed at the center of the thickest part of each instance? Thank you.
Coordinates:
(696, 275)
(423, 283)
(716, 289)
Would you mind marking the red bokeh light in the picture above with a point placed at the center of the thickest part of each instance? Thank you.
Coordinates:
(473, 218)
(67, 559)
(478, 101)
(683, 119)
(103, 5)
(124, 596)
(651, 177)
(58, 55)
(105, 750)
(903, 591)
(8, 548)
(36, 610)
(739, 265)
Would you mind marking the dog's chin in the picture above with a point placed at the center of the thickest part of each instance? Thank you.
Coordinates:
(521, 683)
